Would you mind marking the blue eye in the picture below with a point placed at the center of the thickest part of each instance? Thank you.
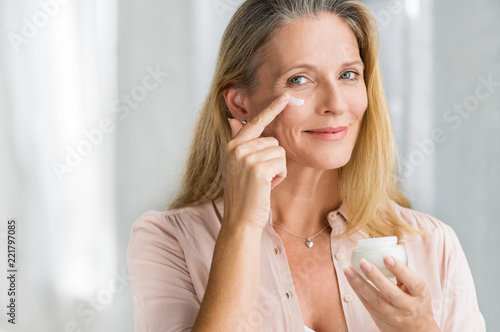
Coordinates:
(298, 80)
(348, 75)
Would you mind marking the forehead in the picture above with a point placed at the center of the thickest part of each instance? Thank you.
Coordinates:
(325, 40)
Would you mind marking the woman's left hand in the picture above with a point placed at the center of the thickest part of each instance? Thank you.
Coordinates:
(405, 306)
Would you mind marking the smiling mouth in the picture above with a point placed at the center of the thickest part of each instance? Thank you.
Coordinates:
(326, 130)
(323, 132)
(328, 134)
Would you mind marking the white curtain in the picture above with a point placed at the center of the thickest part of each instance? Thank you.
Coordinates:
(57, 85)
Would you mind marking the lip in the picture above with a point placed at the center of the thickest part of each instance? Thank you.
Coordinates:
(329, 133)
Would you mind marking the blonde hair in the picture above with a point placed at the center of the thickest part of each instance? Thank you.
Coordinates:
(369, 181)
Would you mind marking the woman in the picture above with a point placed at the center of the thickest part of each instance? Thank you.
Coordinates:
(273, 198)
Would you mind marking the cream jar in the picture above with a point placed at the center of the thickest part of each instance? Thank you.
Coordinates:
(375, 249)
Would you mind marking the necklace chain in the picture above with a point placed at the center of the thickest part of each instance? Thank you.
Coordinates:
(309, 243)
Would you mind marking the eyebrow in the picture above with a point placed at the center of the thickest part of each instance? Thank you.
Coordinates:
(313, 67)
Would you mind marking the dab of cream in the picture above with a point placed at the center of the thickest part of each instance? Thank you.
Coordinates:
(295, 101)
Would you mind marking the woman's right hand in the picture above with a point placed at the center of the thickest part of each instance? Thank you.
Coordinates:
(254, 165)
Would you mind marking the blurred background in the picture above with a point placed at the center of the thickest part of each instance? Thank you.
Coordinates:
(98, 99)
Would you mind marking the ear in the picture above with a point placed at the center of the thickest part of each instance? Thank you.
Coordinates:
(235, 101)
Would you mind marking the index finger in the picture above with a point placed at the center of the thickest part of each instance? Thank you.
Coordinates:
(254, 128)
(405, 276)
(395, 295)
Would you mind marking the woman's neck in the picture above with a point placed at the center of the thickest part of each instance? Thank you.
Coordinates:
(301, 202)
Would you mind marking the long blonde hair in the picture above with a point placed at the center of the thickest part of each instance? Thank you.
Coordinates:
(368, 181)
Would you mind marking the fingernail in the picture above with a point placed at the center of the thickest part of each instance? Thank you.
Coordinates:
(365, 265)
(350, 275)
(283, 97)
(295, 101)
(389, 261)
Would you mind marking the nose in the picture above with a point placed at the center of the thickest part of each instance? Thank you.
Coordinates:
(333, 99)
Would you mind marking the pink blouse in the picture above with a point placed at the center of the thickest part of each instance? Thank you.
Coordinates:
(170, 253)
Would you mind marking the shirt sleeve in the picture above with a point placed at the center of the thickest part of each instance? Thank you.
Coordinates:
(162, 290)
(460, 310)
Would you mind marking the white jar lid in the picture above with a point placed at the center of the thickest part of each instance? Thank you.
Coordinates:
(378, 242)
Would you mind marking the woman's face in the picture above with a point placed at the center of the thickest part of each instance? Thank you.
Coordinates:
(315, 59)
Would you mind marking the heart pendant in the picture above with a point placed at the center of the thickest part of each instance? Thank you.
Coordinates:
(309, 243)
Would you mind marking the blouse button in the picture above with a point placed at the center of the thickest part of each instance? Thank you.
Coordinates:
(348, 298)
(339, 256)
(276, 251)
(288, 295)
(332, 215)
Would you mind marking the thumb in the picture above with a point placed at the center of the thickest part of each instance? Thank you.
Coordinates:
(235, 126)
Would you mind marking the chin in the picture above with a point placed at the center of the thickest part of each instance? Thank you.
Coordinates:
(333, 165)
(333, 161)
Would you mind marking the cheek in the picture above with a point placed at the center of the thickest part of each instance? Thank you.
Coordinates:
(287, 123)
(359, 103)
(292, 115)
(358, 113)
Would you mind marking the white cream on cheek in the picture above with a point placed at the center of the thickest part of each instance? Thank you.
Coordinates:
(292, 101)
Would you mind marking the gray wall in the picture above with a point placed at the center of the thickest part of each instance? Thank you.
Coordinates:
(468, 163)
(153, 137)
(433, 64)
